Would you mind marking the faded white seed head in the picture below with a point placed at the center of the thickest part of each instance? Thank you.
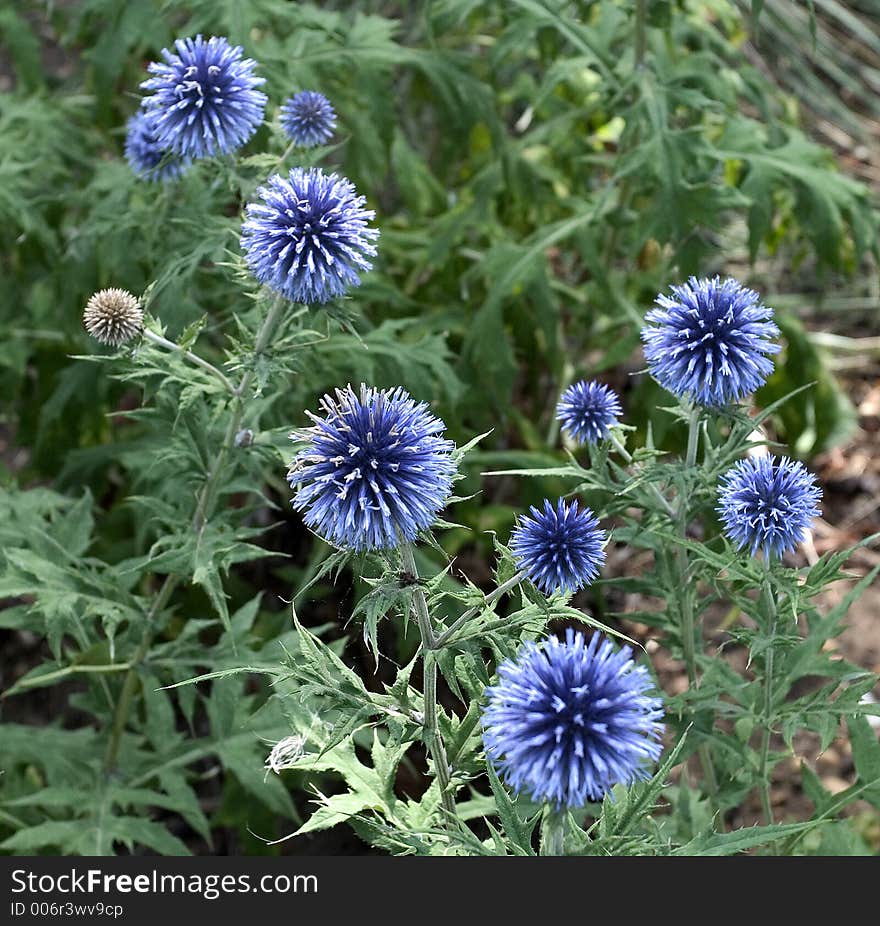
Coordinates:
(113, 316)
(286, 753)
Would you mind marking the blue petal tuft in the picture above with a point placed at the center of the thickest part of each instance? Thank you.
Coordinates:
(203, 98)
(710, 341)
(308, 239)
(559, 548)
(308, 119)
(768, 504)
(376, 470)
(567, 721)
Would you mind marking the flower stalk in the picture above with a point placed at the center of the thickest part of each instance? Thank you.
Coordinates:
(159, 341)
(204, 505)
(770, 614)
(490, 598)
(553, 824)
(687, 625)
(430, 727)
(661, 500)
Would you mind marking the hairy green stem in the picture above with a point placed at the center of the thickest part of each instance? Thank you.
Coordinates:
(202, 513)
(686, 594)
(126, 696)
(764, 761)
(209, 490)
(686, 598)
(627, 456)
(693, 438)
(430, 726)
(496, 593)
(553, 832)
(193, 358)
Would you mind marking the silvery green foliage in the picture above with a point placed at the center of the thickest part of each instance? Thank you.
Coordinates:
(212, 665)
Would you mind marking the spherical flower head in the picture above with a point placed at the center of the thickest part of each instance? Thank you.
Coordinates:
(203, 97)
(376, 470)
(710, 341)
(113, 316)
(568, 721)
(587, 411)
(768, 504)
(559, 548)
(308, 239)
(308, 119)
(145, 155)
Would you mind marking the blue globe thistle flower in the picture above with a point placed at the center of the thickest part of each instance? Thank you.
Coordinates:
(567, 721)
(376, 470)
(559, 548)
(308, 239)
(204, 99)
(587, 411)
(145, 155)
(709, 342)
(308, 119)
(768, 504)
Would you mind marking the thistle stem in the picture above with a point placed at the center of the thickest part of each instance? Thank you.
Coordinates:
(430, 727)
(495, 594)
(553, 832)
(202, 513)
(123, 705)
(193, 358)
(627, 456)
(764, 761)
(690, 459)
(686, 596)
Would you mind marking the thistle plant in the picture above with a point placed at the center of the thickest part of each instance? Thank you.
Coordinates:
(710, 341)
(203, 98)
(375, 470)
(113, 316)
(569, 720)
(308, 119)
(146, 155)
(588, 411)
(308, 239)
(768, 505)
(309, 560)
(559, 548)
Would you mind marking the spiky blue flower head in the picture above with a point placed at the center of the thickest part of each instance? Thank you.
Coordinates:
(308, 239)
(768, 504)
(204, 97)
(568, 721)
(145, 155)
(710, 341)
(559, 548)
(588, 410)
(308, 119)
(376, 470)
